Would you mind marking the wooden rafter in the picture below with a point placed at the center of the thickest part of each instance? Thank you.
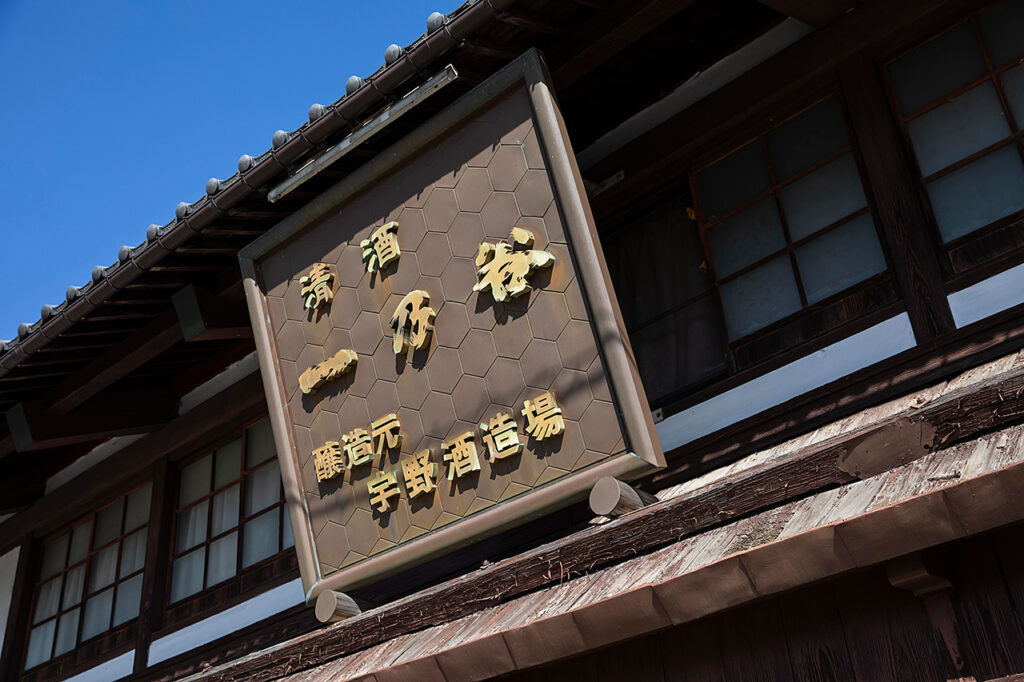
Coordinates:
(206, 317)
(606, 35)
(36, 426)
(816, 13)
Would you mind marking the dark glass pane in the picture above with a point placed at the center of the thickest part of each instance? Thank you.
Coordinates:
(1013, 86)
(191, 526)
(67, 632)
(74, 582)
(937, 68)
(840, 258)
(225, 510)
(228, 465)
(750, 235)
(821, 198)
(108, 524)
(261, 538)
(187, 574)
(97, 614)
(54, 555)
(129, 593)
(223, 559)
(958, 128)
(977, 194)
(259, 444)
(102, 568)
(195, 481)
(732, 181)
(137, 511)
(657, 265)
(133, 553)
(47, 599)
(79, 542)
(760, 297)
(40, 643)
(262, 488)
(287, 539)
(807, 139)
(1002, 26)
(680, 350)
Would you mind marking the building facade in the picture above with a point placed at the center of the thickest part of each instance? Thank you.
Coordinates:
(654, 341)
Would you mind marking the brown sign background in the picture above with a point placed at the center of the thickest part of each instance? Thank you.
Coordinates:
(494, 160)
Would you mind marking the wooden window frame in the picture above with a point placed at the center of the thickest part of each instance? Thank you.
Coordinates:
(155, 619)
(816, 319)
(248, 581)
(977, 255)
(116, 639)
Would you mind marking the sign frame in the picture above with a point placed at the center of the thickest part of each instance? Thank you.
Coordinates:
(527, 71)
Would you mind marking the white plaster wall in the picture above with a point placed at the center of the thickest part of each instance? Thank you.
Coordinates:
(988, 297)
(789, 381)
(227, 621)
(108, 671)
(8, 571)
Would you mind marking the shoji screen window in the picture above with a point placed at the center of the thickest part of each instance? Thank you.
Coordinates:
(960, 97)
(90, 578)
(231, 513)
(786, 221)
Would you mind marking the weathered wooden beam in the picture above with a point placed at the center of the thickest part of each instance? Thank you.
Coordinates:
(816, 13)
(606, 35)
(35, 426)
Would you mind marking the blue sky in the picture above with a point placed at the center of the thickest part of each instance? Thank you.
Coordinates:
(113, 112)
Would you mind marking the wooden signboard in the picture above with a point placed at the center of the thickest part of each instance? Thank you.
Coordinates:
(440, 346)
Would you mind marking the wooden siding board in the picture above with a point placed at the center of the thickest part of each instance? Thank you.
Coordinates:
(817, 648)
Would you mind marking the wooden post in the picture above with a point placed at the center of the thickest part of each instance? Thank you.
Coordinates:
(902, 220)
(612, 497)
(332, 607)
(158, 563)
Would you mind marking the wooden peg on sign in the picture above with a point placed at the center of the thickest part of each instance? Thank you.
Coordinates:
(332, 607)
(612, 497)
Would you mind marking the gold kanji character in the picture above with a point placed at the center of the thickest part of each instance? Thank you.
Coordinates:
(504, 267)
(413, 322)
(358, 447)
(381, 249)
(328, 461)
(333, 367)
(382, 486)
(461, 453)
(543, 416)
(419, 473)
(386, 433)
(502, 436)
(318, 286)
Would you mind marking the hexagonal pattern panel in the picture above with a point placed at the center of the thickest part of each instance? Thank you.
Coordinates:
(483, 358)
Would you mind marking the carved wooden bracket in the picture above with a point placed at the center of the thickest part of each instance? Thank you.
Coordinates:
(910, 573)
